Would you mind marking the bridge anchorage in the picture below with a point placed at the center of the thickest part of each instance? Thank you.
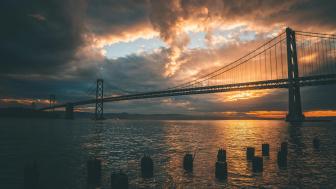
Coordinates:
(292, 60)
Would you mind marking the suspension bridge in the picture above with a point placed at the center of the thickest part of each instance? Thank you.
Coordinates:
(291, 60)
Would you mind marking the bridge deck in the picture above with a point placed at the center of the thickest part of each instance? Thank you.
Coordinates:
(268, 84)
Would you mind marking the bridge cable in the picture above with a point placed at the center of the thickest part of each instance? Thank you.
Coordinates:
(198, 82)
(230, 64)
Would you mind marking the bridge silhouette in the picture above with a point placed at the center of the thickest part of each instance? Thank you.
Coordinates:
(293, 59)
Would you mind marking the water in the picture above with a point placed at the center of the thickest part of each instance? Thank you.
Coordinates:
(61, 148)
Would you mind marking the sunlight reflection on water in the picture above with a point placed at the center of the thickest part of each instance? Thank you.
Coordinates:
(62, 147)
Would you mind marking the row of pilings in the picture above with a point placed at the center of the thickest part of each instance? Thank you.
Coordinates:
(119, 180)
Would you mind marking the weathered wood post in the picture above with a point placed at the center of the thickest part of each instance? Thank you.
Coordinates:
(147, 166)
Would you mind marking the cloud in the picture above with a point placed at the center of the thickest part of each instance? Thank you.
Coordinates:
(115, 16)
(110, 22)
(23, 102)
(174, 18)
(267, 114)
(38, 17)
(39, 36)
(50, 33)
(321, 113)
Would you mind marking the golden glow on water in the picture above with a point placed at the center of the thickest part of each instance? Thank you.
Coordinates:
(206, 137)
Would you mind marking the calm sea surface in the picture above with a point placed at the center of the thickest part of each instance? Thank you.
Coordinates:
(61, 148)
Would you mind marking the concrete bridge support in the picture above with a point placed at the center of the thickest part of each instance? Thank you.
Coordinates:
(294, 101)
(69, 111)
(52, 102)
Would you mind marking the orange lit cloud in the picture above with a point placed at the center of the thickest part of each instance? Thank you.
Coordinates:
(173, 19)
(179, 104)
(25, 102)
(242, 95)
(308, 58)
(267, 114)
(282, 114)
(320, 113)
(84, 109)
(131, 33)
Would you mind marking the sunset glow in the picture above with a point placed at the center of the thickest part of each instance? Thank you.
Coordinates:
(282, 114)
(267, 114)
(321, 113)
(243, 95)
(25, 102)
(308, 59)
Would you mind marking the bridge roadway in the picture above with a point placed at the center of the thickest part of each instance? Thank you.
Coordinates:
(267, 84)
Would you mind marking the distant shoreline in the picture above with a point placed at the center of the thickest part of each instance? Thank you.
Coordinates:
(31, 113)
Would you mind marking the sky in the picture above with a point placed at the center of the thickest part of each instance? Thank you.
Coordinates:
(61, 47)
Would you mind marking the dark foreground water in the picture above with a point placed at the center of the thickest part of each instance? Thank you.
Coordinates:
(61, 148)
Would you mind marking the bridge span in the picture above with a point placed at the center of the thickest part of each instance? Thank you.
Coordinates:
(291, 60)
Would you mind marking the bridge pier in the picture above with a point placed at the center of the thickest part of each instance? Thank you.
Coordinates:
(294, 97)
(69, 111)
(52, 102)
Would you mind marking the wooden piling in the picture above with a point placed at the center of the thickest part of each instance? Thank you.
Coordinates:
(94, 172)
(221, 170)
(257, 164)
(188, 162)
(282, 159)
(284, 148)
(147, 166)
(119, 181)
(265, 149)
(250, 153)
(221, 155)
(316, 143)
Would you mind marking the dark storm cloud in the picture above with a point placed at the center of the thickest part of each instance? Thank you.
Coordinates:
(107, 17)
(308, 15)
(144, 72)
(39, 36)
(133, 73)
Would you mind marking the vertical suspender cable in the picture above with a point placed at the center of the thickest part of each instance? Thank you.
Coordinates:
(270, 50)
(282, 71)
(276, 62)
(265, 66)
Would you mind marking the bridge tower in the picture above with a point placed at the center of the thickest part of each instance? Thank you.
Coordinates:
(69, 111)
(294, 101)
(99, 111)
